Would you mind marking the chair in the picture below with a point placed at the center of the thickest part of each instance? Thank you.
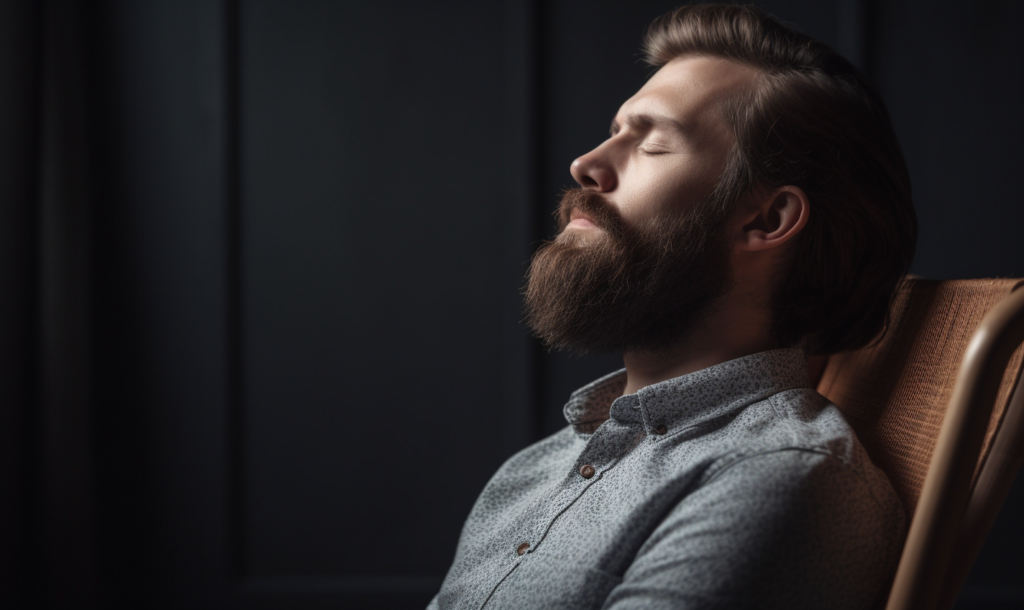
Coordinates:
(951, 442)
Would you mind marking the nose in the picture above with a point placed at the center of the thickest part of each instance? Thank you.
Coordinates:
(594, 171)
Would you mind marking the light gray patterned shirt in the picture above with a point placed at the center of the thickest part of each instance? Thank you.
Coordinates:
(737, 486)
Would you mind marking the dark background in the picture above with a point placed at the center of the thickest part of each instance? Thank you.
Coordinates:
(260, 261)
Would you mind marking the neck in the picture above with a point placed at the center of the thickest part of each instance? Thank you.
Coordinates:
(739, 326)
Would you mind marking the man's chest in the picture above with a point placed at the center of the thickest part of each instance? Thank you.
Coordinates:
(572, 523)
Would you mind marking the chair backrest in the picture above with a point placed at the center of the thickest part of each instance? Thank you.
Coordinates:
(895, 394)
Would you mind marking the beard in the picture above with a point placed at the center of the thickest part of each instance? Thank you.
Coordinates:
(627, 289)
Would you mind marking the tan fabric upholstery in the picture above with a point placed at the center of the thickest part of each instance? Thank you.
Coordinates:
(895, 393)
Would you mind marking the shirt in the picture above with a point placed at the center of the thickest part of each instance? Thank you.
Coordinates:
(737, 486)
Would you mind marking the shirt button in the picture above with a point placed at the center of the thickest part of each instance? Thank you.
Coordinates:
(521, 550)
(661, 429)
(586, 471)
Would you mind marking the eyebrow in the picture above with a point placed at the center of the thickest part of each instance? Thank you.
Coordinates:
(642, 120)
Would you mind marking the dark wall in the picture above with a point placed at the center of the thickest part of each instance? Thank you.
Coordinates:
(373, 235)
(302, 228)
(18, 42)
(952, 78)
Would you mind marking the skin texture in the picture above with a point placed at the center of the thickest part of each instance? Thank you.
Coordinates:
(668, 147)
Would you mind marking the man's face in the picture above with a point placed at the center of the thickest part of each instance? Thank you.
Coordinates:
(643, 250)
(669, 142)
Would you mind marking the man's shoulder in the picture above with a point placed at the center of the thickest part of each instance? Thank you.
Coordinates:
(785, 514)
(792, 420)
(799, 439)
(796, 426)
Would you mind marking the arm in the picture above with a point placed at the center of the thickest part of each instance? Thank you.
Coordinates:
(787, 529)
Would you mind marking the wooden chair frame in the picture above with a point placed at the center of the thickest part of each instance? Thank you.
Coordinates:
(952, 517)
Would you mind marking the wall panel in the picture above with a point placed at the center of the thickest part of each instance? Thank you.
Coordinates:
(373, 211)
(950, 75)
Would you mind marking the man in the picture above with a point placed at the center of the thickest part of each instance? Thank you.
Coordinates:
(750, 205)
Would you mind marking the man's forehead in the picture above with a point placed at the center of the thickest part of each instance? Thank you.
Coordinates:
(688, 87)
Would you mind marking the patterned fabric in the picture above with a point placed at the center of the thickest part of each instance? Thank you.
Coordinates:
(736, 486)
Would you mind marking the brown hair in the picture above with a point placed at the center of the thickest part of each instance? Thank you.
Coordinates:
(816, 122)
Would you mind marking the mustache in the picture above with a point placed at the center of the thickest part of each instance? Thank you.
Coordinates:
(604, 214)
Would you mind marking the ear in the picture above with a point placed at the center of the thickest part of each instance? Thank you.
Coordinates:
(772, 219)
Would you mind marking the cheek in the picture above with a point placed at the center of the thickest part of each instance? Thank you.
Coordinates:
(671, 189)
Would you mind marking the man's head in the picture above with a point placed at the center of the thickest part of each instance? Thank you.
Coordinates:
(754, 155)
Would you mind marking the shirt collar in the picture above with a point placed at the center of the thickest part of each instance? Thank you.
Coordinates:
(686, 401)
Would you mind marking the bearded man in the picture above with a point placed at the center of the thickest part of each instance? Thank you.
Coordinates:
(751, 205)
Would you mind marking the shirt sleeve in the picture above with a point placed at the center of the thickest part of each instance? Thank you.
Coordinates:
(786, 529)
